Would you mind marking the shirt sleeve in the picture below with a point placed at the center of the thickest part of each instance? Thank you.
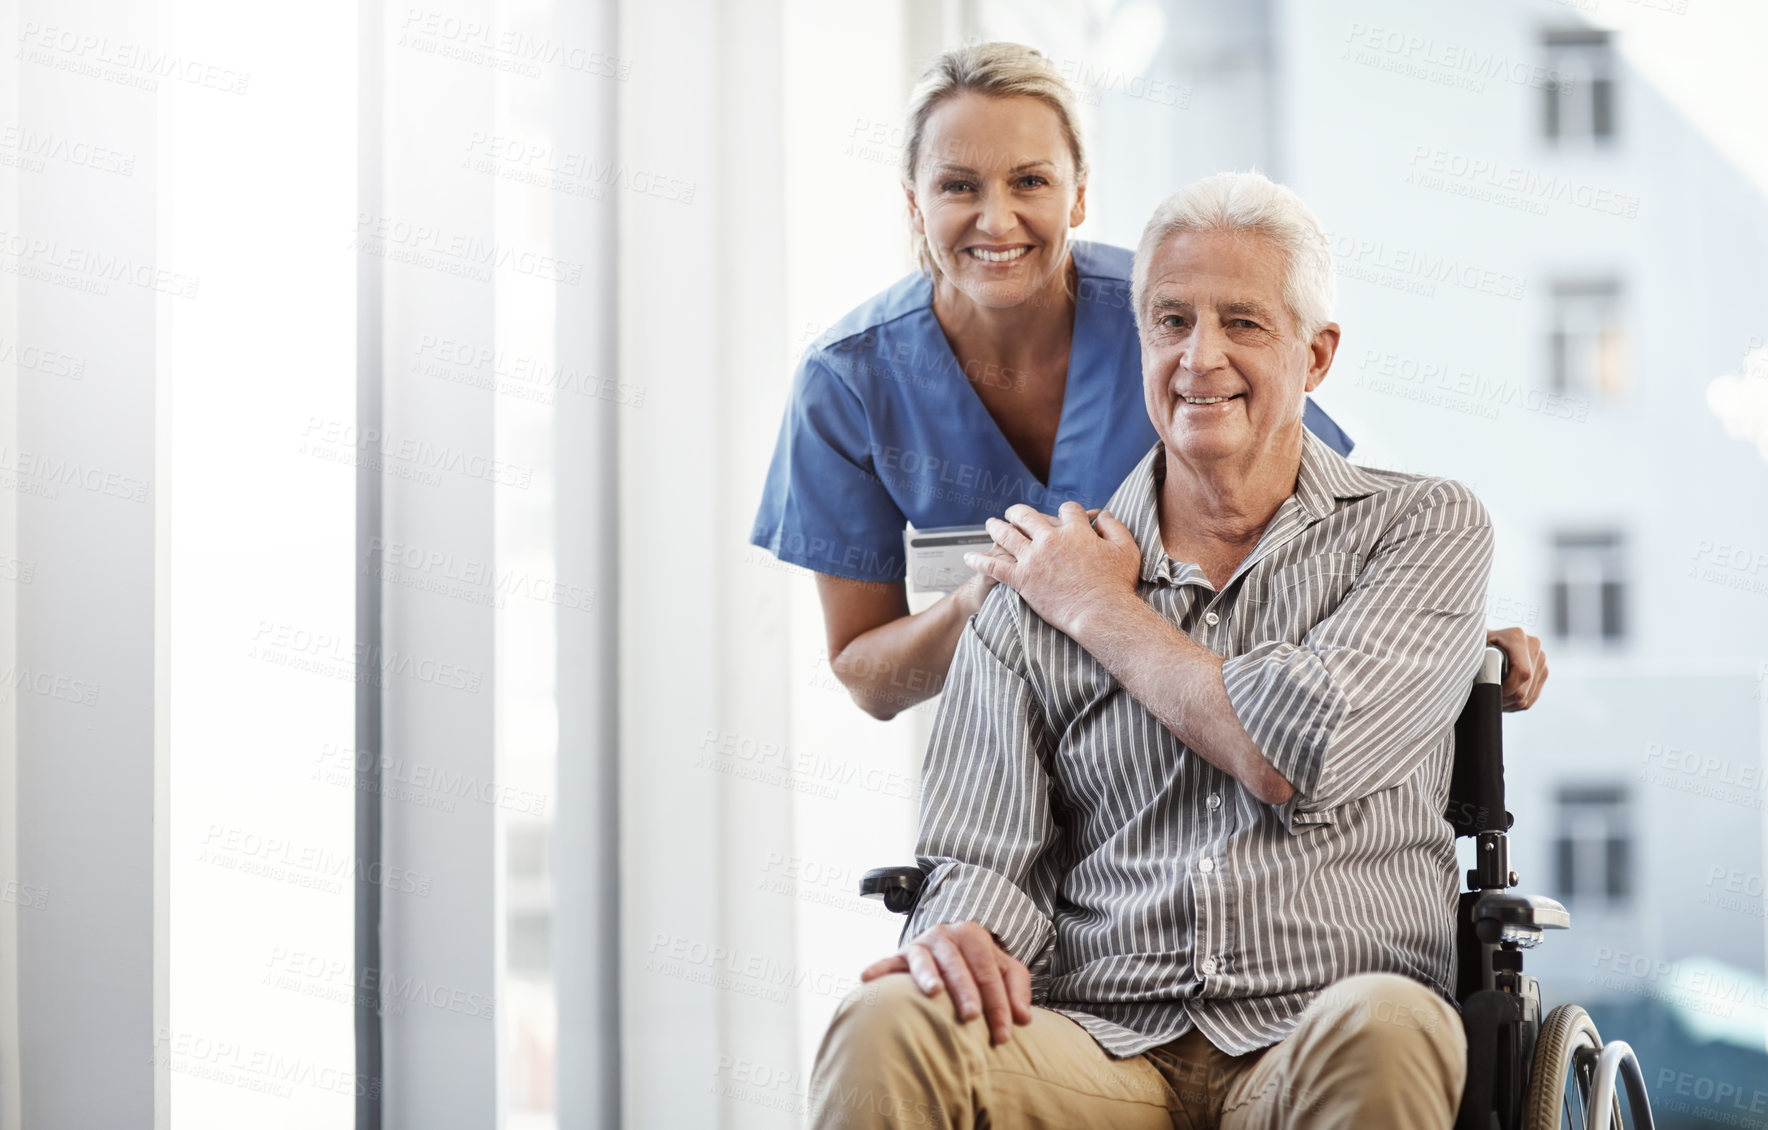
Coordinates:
(823, 508)
(986, 820)
(1357, 705)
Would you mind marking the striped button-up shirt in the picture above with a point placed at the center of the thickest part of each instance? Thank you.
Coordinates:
(1146, 889)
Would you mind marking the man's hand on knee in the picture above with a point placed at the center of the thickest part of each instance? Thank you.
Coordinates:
(984, 979)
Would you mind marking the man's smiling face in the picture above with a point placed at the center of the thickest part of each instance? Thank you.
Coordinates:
(1225, 366)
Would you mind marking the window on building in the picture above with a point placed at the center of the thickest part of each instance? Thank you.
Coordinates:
(1587, 346)
(1593, 851)
(1579, 95)
(1589, 587)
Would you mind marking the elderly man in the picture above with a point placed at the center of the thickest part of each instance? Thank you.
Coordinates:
(1186, 784)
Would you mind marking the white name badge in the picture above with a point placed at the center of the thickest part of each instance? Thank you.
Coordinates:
(936, 557)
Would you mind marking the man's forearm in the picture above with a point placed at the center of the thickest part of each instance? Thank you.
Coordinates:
(1180, 683)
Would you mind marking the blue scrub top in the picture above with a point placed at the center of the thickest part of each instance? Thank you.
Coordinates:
(884, 429)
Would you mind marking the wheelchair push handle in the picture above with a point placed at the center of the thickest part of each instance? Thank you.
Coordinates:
(1493, 666)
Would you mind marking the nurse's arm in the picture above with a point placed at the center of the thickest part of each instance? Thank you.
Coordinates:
(886, 657)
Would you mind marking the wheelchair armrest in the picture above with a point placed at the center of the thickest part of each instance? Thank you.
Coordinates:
(899, 887)
(1493, 911)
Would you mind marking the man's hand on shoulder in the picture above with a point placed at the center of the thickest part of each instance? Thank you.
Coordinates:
(1062, 567)
(985, 980)
(1528, 667)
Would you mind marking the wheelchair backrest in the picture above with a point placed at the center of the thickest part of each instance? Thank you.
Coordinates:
(1476, 785)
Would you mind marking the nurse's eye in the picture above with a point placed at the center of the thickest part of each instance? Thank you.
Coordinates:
(1032, 180)
(957, 186)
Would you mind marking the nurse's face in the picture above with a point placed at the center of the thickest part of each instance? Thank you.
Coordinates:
(1224, 364)
(995, 193)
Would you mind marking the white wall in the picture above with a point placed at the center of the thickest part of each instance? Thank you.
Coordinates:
(701, 649)
(81, 678)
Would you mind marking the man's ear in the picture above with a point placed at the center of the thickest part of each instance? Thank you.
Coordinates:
(916, 220)
(1321, 351)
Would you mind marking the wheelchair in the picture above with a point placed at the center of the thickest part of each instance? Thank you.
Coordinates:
(1524, 1072)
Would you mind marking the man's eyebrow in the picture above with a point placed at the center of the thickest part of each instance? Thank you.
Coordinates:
(1254, 309)
(1161, 303)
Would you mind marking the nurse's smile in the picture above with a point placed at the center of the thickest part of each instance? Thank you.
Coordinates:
(1003, 256)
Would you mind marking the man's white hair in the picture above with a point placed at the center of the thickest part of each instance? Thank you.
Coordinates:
(1249, 204)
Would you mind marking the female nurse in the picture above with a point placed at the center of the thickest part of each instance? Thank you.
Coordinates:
(1006, 370)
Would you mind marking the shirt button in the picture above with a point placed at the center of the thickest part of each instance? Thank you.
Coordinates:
(1214, 802)
(1207, 965)
(1212, 619)
(1206, 865)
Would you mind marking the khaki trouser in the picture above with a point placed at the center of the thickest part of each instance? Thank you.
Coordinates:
(1372, 1052)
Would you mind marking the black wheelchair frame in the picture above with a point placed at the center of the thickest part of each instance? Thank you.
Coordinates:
(1523, 1071)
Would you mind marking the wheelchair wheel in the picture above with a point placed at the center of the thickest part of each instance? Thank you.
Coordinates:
(1560, 1076)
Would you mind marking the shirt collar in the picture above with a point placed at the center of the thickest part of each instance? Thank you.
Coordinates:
(1324, 480)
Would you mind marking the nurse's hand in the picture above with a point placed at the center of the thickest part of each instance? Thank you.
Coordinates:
(1062, 567)
(1528, 666)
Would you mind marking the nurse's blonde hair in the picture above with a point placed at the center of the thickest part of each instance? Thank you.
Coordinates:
(1001, 70)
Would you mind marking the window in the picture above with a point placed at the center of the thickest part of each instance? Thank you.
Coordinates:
(1589, 593)
(1586, 344)
(1579, 96)
(1593, 853)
